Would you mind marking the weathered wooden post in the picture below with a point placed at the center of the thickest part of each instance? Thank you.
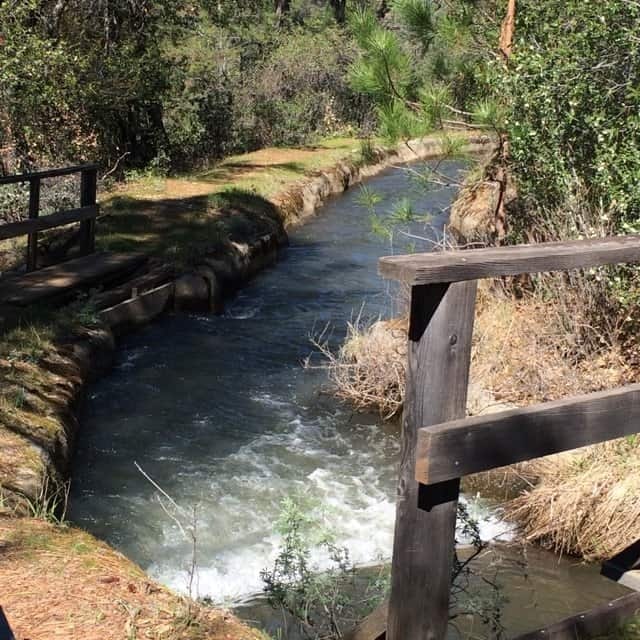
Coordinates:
(440, 332)
(34, 212)
(88, 197)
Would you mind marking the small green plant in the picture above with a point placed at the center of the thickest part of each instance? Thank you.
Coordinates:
(628, 631)
(322, 603)
(368, 198)
(367, 153)
(19, 397)
(326, 603)
(51, 502)
(484, 603)
(81, 312)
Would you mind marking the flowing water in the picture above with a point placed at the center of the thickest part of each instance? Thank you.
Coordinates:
(220, 412)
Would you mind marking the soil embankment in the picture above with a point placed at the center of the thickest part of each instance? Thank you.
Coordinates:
(58, 582)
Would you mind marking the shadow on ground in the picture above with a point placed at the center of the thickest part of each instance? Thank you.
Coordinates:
(185, 228)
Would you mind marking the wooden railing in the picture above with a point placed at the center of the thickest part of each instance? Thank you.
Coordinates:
(439, 446)
(85, 215)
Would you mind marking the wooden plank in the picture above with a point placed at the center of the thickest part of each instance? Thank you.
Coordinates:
(47, 173)
(157, 276)
(624, 567)
(590, 624)
(58, 280)
(139, 310)
(440, 329)
(34, 212)
(373, 627)
(88, 197)
(59, 219)
(458, 266)
(463, 447)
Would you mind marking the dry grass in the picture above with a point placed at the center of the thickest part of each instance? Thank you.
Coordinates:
(523, 353)
(62, 583)
(535, 350)
(584, 503)
(369, 369)
(538, 348)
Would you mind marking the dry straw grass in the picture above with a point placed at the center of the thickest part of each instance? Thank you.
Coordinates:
(585, 503)
(541, 347)
(544, 347)
(369, 369)
(538, 348)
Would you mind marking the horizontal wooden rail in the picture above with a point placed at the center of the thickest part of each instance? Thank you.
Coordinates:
(373, 627)
(59, 219)
(47, 173)
(597, 622)
(461, 447)
(457, 266)
(85, 215)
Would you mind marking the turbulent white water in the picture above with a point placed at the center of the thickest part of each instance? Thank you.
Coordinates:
(220, 412)
(343, 487)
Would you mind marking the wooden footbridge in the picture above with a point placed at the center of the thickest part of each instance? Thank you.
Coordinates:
(89, 268)
(440, 446)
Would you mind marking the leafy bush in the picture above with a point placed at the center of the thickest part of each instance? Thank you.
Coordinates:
(74, 86)
(574, 90)
(325, 603)
(302, 89)
(190, 80)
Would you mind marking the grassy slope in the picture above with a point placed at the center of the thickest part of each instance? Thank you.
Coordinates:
(168, 215)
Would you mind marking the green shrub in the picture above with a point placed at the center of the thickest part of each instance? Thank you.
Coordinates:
(574, 91)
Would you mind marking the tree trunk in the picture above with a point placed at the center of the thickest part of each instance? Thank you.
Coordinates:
(281, 7)
(339, 10)
(508, 29)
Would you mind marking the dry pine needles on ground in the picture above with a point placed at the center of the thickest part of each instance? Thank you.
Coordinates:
(58, 582)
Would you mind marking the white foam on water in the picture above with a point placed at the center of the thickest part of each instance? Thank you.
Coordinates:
(345, 491)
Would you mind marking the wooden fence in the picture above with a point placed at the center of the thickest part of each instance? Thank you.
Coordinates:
(85, 215)
(439, 446)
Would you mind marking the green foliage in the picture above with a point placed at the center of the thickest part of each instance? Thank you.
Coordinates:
(573, 125)
(170, 82)
(384, 68)
(434, 99)
(326, 603)
(323, 603)
(367, 153)
(51, 502)
(418, 18)
(76, 86)
(628, 631)
(574, 88)
(424, 65)
(301, 89)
